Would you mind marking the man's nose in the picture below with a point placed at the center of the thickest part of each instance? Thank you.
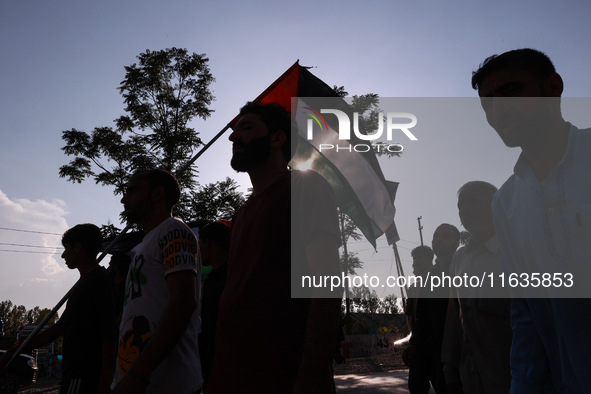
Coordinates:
(232, 136)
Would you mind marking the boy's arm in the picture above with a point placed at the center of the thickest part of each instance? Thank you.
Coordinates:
(109, 351)
(48, 335)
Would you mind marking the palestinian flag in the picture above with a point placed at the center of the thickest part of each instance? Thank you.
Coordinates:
(356, 178)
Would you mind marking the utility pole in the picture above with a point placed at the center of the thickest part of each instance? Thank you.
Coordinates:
(420, 229)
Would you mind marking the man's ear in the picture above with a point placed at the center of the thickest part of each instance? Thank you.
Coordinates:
(158, 194)
(77, 247)
(554, 85)
(278, 139)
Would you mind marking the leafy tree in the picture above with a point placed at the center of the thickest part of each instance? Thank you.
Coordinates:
(349, 260)
(36, 315)
(218, 200)
(13, 316)
(163, 92)
(17, 316)
(389, 304)
(368, 108)
(365, 300)
(109, 230)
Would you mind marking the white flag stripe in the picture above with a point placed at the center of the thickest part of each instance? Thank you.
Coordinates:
(362, 178)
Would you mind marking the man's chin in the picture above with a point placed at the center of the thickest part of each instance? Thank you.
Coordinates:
(240, 165)
(239, 168)
(511, 142)
(132, 219)
(516, 138)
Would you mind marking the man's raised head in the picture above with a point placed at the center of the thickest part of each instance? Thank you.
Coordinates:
(276, 118)
(158, 177)
(526, 59)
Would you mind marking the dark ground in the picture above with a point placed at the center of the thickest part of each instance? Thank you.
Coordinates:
(381, 363)
(43, 385)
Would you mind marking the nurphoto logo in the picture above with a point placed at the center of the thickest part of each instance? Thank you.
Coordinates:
(402, 121)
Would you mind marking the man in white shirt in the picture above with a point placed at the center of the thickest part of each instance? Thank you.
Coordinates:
(542, 217)
(158, 350)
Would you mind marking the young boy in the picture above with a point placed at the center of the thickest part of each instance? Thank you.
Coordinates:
(88, 324)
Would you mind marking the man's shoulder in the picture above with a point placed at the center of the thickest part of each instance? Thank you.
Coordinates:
(460, 253)
(305, 184)
(169, 230)
(586, 132)
(175, 224)
(89, 281)
(506, 192)
(582, 138)
(101, 274)
(307, 177)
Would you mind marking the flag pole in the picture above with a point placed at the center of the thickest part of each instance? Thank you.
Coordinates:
(179, 172)
(206, 147)
(400, 271)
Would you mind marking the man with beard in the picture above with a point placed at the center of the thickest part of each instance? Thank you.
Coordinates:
(266, 341)
(158, 351)
(542, 219)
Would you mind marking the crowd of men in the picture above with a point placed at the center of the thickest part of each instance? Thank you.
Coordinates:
(256, 338)
(529, 337)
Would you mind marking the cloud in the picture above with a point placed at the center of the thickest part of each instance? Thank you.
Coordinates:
(39, 280)
(40, 222)
(30, 247)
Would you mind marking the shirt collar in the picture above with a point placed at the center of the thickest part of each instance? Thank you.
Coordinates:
(492, 245)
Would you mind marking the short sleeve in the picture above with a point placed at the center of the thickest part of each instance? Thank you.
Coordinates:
(178, 247)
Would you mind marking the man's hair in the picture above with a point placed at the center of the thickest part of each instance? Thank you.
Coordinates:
(453, 228)
(160, 177)
(423, 250)
(218, 233)
(527, 59)
(276, 118)
(88, 235)
(486, 187)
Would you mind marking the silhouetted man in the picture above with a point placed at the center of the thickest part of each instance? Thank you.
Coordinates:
(266, 341)
(158, 350)
(477, 335)
(422, 262)
(424, 351)
(542, 219)
(88, 325)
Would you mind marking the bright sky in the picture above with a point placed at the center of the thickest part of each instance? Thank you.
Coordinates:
(62, 62)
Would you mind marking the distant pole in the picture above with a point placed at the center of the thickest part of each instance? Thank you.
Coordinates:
(420, 229)
(400, 272)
